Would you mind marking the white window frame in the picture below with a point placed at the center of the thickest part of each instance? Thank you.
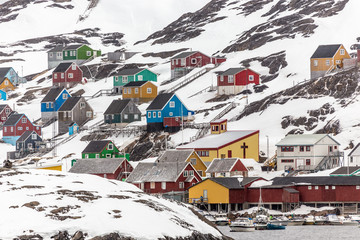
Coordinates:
(124, 79)
(73, 66)
(193, 61)
(148, 90)
(129, 91)
(185, 173)
(221, 78)
(231, 79)
(136, 116)
(338, 61)
(251, 78)
(159, 114)
(136, 90)
(20, 128)
(163, 185)
(70, 75)
(88, 114)
(65, 96)
(191, 172)
(316, 187)
(24, 120)
(86, 155)
(97, 155)
(3, 118)
(47, 105)
(140, 77)
(316, 63)
(172, 104)
(126, 116)
(51, 54)
(171, 114)
(181, 185)
(55, 75)
(357, 187)
(125, 90)
(88, 53)
(149, 114)
(309, 187)
(110, 146)
(342, 51)
(30, 145)
(193, 161)
(116, 79)
(33, 136)
(333, 187)
(62, 75)
(154, 114)
(152, 185)
(82, 105)
(327, 62)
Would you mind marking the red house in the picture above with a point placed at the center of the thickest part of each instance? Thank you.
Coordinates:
(164, 177)
(16, 125)
(5, 111)
(110, 168)
(235, 80)
(67, 75)
(227, 167)
(184, 62)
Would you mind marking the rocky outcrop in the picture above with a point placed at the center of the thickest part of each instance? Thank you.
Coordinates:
(165, 54)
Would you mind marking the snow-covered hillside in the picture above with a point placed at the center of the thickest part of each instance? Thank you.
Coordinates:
(274, 38)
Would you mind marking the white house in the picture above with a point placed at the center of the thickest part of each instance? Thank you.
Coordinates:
(354, 156)
(308, 152)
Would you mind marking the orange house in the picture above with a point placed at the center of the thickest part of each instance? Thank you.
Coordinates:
(141, 91)
(6, 84)
(327, 58)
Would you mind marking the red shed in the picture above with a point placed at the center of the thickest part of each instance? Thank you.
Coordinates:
(234, 80)
(67, 75)
(172, 121)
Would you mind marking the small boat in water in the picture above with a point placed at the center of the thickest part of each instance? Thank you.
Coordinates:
(309, 220)
(348, 221)
(275, 226)
(332, 219)
(320, 220)
(296, 221)
(210, 217)
(242, 225)
(261, 222)
(284, 221)
(221, 219)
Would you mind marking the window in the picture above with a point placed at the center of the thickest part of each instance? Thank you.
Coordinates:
(148, 90)
(7, 111)
(327, 62)
(125, 89)
(193, 61)
(6, 82)
(181, 185)
(23, 120)
(86, 155)
(51, 54)
(191, 173)
(309, 187)
(73, 66)
(129, 91)
(51, 105)
(308, 162)
(333, 187)
(70, 75)
(182, 62)
(82, 105)
(140, 77)
(251, 78)
(142, 186)
(70, 52)
(154, 114)
(108, 155)
(47, 105)
(308, 148)
(66, 53)
(116, 79)
(20, 128)
(74, 53)
(357, 187)
(152, 185)
(172, 104)
(110, 146)
(149, 114)
(136, 90)
(136, 116)
(159, 114)
(231, 79)
(221, 78)
(97, 155)
(316, 187)
(62, 75)
(287, 149)
(326, 187)
(351, 159)
(163, 185)
(171, 114)
(315, 63)
(88, 53)
(88, 114)
(30, 145)
(65, 96)
(342, 51)
(301, 148)
(287, 160)
(330, 149)
(200, 173)
(33, 136)
(3, 118)
(27, 128)
(185, 173)
(55, 75)
(126, 116)
(193, 161)
(124, 79)
(338, 61)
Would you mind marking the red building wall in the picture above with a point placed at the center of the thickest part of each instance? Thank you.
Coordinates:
(77, 76)
(21, 127)
(217, 61)
(339, 194)
(237, 195)
(268, 195)
(172, 122)
(239, 166)
(198, 55)
(242, 78)
(3, 115)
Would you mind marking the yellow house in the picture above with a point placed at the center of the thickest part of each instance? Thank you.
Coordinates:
(140, 91)
(185, 156)
(226, 144)
(327, 58)
(6, 84)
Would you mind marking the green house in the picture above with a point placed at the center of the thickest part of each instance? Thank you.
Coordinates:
(102, 149)
(125, 76)
(79, 52)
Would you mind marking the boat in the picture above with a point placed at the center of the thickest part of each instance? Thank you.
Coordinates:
(332, 219)
(284, 221)
(242, 225)
(355, 218)
(262, 218)
(309, 220)
(221, 219)
(348, 221)
(275, 226)
(296, 221)
(320, 220)
(210, 217)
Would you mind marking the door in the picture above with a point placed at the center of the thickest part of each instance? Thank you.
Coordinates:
(205, 195)
(299, 162)
(229, 153)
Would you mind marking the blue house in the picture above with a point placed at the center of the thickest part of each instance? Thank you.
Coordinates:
(166, 112)
(51, 103)
(28, 142)
(73, 128)
(3, 95)
(9, 73)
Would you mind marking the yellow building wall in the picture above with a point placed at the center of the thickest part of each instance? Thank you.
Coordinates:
(144, 93)
(322, 61)
(200, 166)
(56, 168)
(216, 193)
(9, 85)
(212, 154)
(341, 57)
(132, 94)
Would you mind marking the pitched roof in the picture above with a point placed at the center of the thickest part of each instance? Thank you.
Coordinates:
(345, 171)
(291, 190)
(184, 54)
(303, 139)
(341, 180)
(4, 71)
(52, 94)
(13, 119)
(25, 135)
(117, 106)
(135, 84)
(326, 51)
(129, 71)
(69, 104)
(73, 47)
(231, 71)
(2, 106)
(218, 140)
(157, 172)
(354, 152)
(97, 165)
(175, 156)
(233, 182)
(62, 67)
(160, 101)
(96, 146)
(57, 48)
(221, 165)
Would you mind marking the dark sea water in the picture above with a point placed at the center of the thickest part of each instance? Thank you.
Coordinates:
(298, 232)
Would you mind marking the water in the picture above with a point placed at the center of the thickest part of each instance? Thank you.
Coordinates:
(325, 232)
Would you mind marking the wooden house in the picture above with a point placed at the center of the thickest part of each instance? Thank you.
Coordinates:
(327, 58)
(184, 156)
(67, 75)
(124, 76)
(10, 74)
(28, 142)
(5, 111)
(166, 112)
(16, 125)
(74, 109)
(6, 85)
(184, 62)
(227, 167)
(102, 149)
(122, 111)
(308, 152)
(235, 80)
(226, 144)
(110, 168)
(346, 171)
(164, 177)
(353, 156)
(3, 95)
(73, 128)
(78, 53)
(141, 91)
(52, 101)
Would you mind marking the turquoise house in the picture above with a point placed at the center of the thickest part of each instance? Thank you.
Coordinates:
(3, 95)
(125, 76)
(73, 128)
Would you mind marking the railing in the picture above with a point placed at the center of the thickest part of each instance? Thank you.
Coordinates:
(225, 111)
(187, 81)
(197, 200)
(211, 88)
(106, 92)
